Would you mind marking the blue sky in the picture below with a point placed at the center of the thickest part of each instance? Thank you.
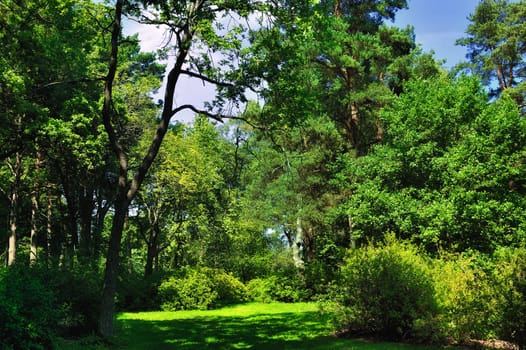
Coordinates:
(438, 24)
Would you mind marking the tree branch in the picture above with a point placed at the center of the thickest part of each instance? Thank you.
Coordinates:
(218, 117)
(75, 81)
(207, 79)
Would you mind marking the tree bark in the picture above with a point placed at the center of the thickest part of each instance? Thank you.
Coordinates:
(107, 308)
(153, 251)
(126, 190)
(16, 170)
(296, 246)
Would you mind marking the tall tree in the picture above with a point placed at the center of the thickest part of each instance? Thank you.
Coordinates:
(496, 43)
(192, 26)
(450, 174)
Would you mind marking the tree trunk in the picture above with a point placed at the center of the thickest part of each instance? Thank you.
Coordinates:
(34, 212)
(153, 250)
(16, 170)
(296, 246)
(126, 191)
(86, 206)
(107, 310)
(33, 238)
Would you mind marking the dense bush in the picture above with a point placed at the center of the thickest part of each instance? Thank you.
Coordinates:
(78, 293)
(277, 288)
(38, 303)
(200, 289)
(386, 291)
(229, 289)
(465, 297)
(28, 309)
(509, 280)
(138, 293)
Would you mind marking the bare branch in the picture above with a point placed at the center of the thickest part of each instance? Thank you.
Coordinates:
(75, 81)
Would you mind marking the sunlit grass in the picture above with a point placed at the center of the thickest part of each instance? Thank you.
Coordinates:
(250, 326)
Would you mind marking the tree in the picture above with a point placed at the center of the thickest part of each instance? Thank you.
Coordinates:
(43, 45)
(335, 58)
(496, 46)
(449, 174)
(191, 24)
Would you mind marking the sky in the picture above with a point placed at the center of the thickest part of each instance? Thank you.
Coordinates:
(437, 25)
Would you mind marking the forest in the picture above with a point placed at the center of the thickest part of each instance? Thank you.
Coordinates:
(336, 163)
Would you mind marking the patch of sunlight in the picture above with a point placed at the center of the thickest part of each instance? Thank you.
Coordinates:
(211, 340)
(182, 343)
(243, 310)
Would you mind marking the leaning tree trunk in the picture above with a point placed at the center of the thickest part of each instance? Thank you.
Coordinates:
(126, 190)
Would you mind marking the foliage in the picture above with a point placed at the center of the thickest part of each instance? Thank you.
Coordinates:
(200, 289)
(496, 46)
(450, 172)
(229, 289)
(465, 297)
(77, 291)
(509, 279)
(28, 312)
(137, 292)
(385, 291)
(277, 288)
(39, 303)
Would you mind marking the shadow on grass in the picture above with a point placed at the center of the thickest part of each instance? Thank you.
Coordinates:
(260, 332)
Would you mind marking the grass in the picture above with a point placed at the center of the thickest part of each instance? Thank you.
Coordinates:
(250, 326)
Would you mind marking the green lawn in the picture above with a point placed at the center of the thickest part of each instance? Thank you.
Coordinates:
(251, 326)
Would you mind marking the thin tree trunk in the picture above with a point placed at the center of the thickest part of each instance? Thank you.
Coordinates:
(86, 206)
(33, 238)
(16, 170)
(152, 250)
(34, 212)
(296, 246)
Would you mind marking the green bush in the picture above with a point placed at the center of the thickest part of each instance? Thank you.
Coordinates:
(78, 293)
(229, 289)
(277, 288)
(191, 292)
(386, 291)
(138, 293)
(509, 279)
(201, 289)
(465, 298)
(28, 312)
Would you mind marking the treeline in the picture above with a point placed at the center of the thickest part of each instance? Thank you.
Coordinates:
(108, 201)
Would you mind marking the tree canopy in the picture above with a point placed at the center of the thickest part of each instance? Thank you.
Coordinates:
(329, 131)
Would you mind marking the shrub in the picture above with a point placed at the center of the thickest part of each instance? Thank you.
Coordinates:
(259, 290)
(509, 279)
(465, 299)
(229, 289)
(78, 293)
(191, 292)
(28, 312)
(385, 291)
(201, 289)
(277, 288)
(138, 293)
